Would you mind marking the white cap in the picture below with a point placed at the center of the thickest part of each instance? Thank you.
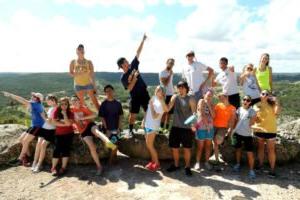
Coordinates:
(38, 95)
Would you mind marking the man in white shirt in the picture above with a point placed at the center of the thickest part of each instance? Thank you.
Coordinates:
(228, 80)
(166, 80)
(193, 74)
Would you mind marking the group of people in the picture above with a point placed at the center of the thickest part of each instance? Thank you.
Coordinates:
(232, 117)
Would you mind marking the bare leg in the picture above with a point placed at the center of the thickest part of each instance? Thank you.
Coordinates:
(80, 95)
(93, 98)
(92, 147)
(271, 153)
(238, 155)
(54, 162)
(200, 145)
(28, 138)
(250, 160)
(175, 152)
(208, 144)
(150, 137)
(261, 151)
(43, 152)
(65, 162)
(37, 151)
(100, 135)
(187, 156)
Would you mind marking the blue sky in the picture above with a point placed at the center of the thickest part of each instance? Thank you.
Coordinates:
(240, 29)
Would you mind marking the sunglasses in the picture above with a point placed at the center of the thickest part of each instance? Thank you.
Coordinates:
(264, 94)
(247, 100)
(249, 68)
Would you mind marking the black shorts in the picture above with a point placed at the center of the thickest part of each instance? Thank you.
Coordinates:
(266, 136)
(48, 135)
(181, 136)
(35, 131)
(247, 140)
(235, 100)
(88, 130)
(136, 102)
(254, 101)
(168, 99)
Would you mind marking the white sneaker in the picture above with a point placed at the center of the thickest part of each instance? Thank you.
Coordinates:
(33, 166)
(37, 169)
(197, 166)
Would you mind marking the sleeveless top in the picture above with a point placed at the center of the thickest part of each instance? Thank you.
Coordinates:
(263, 78)
(83, 79)
(250, 87)
(182, 111)
(207, 114)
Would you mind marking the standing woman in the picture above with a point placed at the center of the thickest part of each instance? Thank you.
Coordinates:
(265, 128)
(264, 73)
(84, 81)
(63, 119)
(36, 109)
(154, 113)
(250, 85)
(204, 129)
(46, 136)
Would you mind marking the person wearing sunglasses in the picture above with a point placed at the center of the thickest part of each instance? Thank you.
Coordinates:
(63, 119)
(35, 106)
(166, 80)
(263, 73)
(250, 85)
(82, 70)
(242, 133)
(193, 73)
(265, 129)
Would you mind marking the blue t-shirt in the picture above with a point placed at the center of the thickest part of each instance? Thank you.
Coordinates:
(111, 111)
(36, 118)
(140, 87)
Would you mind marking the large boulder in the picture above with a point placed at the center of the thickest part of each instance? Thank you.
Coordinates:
(10, 146)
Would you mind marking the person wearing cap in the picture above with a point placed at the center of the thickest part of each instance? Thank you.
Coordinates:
(193, 73)
(181, 134)
(228, 80)
(223, 122)
(151, 122)
(166, 80)
(82, 70)
(134, 83)
(38, 117)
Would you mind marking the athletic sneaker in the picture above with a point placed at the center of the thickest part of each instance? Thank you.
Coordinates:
(173, 168)
(110, 145)
(148, 166)
(197, 166)
(272, 174)
(54, 172)
(25, 162)
(188, 171)
(62, 171)
(251, 174)
(155, 167)
(33, 166)
(99, 171)
(237, 168)
(208, 166)
(37, 169)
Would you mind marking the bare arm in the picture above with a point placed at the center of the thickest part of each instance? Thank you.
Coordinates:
(92, 74)
(277, 108)
(271, 79)
(133, 82)
(193, 105)
(209, 76)
(71, 69)
(140, 48)
(154, 114)
(17, 98)
(172, 102)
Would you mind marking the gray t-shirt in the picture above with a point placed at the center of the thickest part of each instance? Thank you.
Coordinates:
(244, 117)
(182, 111)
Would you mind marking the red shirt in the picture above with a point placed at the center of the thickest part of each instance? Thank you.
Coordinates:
(63, 130)
(83, 111)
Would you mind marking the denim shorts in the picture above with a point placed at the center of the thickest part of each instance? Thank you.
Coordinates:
(83, 87)
(204, 134)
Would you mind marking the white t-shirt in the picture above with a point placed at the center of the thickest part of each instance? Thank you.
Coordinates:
(49, 115)
(228, 81)
(243, 126)
(193, 73)
(169, 87)
(250, 87)
(151, 123)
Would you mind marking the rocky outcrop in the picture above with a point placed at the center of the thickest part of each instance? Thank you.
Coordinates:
(287, 148)
(10, 146)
